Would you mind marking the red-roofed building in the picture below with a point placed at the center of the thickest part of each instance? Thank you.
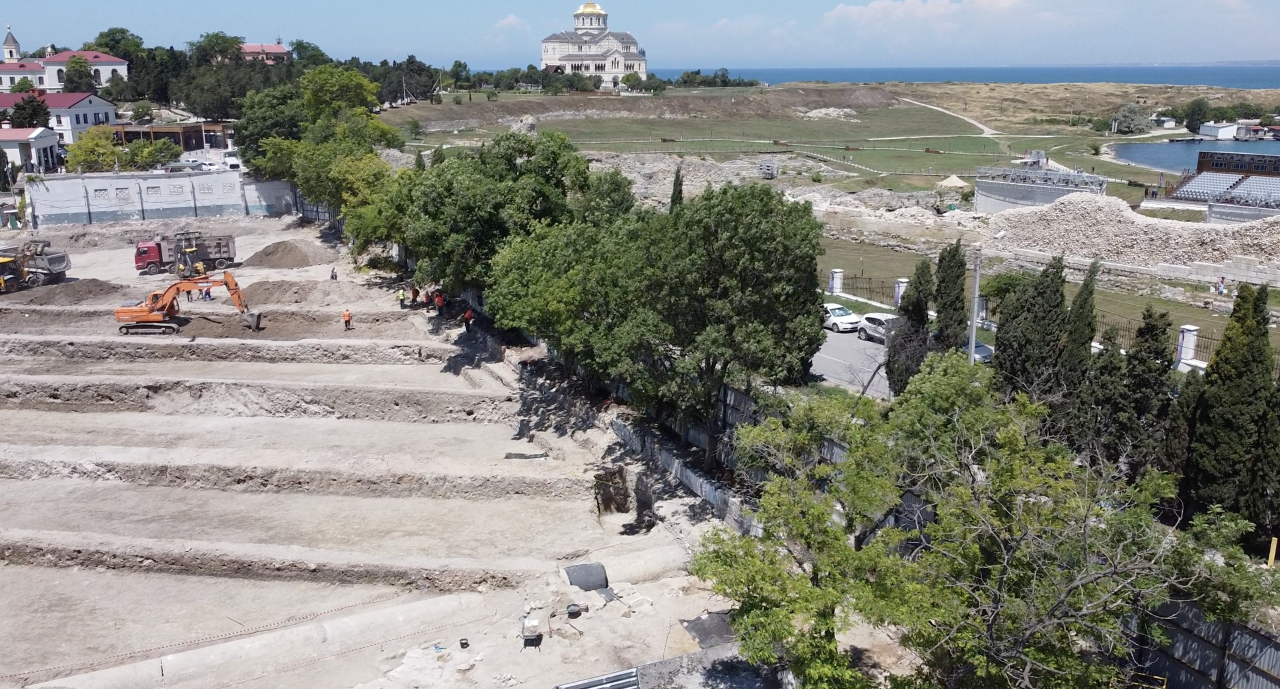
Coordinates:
(70, 114)
(269, 53)
(50, 72)
(35, 149)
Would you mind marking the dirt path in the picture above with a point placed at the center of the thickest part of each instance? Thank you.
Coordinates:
(986, 131)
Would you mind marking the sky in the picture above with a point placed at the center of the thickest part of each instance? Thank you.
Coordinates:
(702, 34)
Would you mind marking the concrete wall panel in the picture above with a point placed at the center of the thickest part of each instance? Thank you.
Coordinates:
(87, 199)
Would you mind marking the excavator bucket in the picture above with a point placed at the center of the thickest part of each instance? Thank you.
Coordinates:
(253, 319)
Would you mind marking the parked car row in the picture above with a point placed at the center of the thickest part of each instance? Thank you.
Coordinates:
(877, 327)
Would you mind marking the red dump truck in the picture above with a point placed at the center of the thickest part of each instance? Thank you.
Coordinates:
(184, 248)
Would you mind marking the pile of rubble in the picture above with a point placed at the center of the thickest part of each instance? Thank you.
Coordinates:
(1105, 228)
(652, 175)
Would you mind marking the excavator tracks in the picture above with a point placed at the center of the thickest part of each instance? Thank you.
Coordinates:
(149, 329)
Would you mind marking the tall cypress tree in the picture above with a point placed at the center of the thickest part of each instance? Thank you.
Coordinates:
(908, 344)
(1232, 409)
(1029, 341)
(1180, 426)
(949, 300)
(677, 188)
(1260, 491)
(1148, 374)
(1081, 328)
(1103, 415)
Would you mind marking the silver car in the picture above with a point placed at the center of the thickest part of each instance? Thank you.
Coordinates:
(877, 326)
(839, 319)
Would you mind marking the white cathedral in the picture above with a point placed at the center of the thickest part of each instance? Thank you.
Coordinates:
(592, 49)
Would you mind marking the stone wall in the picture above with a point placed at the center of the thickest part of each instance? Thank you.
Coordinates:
(1227, 214)
(1238, 269)
(993, 196)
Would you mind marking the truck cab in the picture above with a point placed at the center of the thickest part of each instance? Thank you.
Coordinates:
(149, 257)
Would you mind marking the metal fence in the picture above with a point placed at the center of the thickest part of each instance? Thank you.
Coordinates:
(870, 288)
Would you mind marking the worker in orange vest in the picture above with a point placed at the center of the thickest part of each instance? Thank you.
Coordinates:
(346, 319)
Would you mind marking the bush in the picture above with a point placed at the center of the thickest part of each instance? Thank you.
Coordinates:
(457, 99)
(817, 177)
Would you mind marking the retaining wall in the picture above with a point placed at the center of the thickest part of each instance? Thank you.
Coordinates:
(1238, 269)
(110, 197)
(993, 196)
(1227, 214)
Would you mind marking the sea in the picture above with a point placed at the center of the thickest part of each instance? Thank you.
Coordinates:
(1225, 76)
(1176, 157)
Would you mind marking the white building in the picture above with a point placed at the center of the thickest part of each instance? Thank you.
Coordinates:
(50, 72)
(36, 150)
(70, 114)
(1219, 131)
(593, 50)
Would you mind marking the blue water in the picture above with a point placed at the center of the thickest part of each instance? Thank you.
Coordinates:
(1176, 157)
(1240, 77)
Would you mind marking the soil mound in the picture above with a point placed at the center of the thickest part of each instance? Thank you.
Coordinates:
(1105, 228)
(312, 293)
(71, 293)
(294, 253)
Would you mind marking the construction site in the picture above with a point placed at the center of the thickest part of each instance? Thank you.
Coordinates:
(282, 502)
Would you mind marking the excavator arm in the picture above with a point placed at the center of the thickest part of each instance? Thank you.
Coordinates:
(155, 314)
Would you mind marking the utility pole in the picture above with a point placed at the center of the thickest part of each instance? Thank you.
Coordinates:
(977, 295)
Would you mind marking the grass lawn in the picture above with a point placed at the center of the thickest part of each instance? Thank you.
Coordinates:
(1175, 214)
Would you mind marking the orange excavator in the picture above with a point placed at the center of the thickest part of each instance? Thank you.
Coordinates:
(158, 313)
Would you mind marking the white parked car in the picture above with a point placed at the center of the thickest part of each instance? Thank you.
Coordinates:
(839, 319)
(232, 163)
(877, 326)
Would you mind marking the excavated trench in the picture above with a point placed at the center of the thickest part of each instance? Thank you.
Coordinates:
(42, 549)
(215, 398)
(278, 323)
(258, 479)
(118, 349)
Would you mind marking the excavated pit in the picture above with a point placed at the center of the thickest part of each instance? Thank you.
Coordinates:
(242, 399)
(43, 549)
(277, 324)
(184, 349)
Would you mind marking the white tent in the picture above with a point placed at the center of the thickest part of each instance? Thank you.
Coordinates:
(953, 182)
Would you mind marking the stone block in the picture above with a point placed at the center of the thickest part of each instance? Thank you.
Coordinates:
(1174, 272)
(1030, 255)
(1126, 269)
(1246, 260)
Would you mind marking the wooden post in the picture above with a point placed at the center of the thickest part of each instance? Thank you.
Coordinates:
(1271, 559)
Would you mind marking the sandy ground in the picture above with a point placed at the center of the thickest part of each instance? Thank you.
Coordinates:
(111, 613)
(177, 488)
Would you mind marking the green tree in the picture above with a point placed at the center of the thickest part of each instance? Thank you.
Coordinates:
(142, 111)
(147, 155)
(79, 76)
(606, 198)
(94, 151)
(741, 299)
(1232, 409)
(308, 54)
(908, 343)
(1260, 493)
(330, 90)
(1002, 286)
(118, 42)
(1029, 341)
(29, 113)
(216, 48)
(632, 81)
(274, 112)
(677, 189)
(414, 128)
(209, 92)
(1102, 421)
(1132, 119)
(1080, 330)
(23, 85)
(953, 317)
(1196, 114)
(794, 583)
(1148, 380)
(419, 163)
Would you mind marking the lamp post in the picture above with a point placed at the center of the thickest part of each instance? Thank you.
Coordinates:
(977, 291)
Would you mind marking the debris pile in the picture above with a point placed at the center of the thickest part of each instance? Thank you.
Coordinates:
(294, 253)
(71, 293)
(310, 293)
(1105, 228)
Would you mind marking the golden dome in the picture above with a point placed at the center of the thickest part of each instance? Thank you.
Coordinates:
(590, 8)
